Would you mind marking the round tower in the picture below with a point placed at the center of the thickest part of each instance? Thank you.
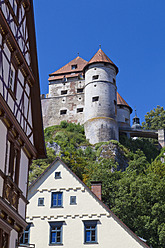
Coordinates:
(100, 112)
(123, 112)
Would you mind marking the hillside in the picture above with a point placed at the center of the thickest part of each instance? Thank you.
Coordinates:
(136, 195)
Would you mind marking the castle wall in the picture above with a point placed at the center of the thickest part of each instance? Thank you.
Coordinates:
(64, 103)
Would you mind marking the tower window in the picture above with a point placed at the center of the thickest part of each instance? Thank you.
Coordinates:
(95, 77)
(95, 99)
(79, 110)
(63, 112)
(114, 81)
(74, 67)
(80, 90)
(64, 92)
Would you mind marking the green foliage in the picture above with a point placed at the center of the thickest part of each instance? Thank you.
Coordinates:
(136, 196)
(155, 119)
(148, 146)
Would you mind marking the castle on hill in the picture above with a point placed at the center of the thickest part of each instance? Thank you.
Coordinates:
(86, 93)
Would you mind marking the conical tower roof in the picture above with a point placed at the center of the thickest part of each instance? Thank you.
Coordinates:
(122, 102)
(100, 56)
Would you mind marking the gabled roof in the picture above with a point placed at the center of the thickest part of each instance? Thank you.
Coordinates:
(93, 195)
(67, 69)
(122, 102)
(100, 56)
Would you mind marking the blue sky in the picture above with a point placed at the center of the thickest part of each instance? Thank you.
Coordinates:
(131, 33)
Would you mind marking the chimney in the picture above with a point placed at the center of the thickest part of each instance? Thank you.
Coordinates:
(96, 188)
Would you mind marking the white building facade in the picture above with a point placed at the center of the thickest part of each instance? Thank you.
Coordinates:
(62, 211)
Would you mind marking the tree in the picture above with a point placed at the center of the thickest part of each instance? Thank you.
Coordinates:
(155, 119)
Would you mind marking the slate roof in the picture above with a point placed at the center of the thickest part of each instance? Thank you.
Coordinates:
(122, 102)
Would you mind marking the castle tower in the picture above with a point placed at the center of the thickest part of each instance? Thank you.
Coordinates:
(100, 110)
(136, 122)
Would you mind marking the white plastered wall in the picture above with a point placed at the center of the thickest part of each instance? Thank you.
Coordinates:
(109, 230)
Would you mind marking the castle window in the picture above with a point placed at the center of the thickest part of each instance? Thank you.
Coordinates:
(64, 92)
(40, 201)
(115, 102)
(79, 110)
(63, 112)
(95, 99)
(72, 200)
(94, 85)
(80, 90)
(95, 77)
(74, 67)
(114, 81)
(57, 174)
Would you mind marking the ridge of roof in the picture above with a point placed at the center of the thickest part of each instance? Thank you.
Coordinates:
(100, 56)
(87, 188)
(80, 62)
(121, 101)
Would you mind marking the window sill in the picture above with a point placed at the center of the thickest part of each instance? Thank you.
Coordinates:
(90, 243)
(56, 207)
(56, 244)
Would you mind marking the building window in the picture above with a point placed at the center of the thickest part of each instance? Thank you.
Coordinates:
(26, 235)
(56, 232)
(63, 112)
(56, 199)
(79, 110)
(95, 77)
(80, 90)
(14, 162)
(74, 67)
(57, 174)
(64, 92)
(90, 231)
(72, 200)
(40, 201)
(95, 98)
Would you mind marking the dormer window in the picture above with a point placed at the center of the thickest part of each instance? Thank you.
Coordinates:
(95, 77)
(74, 67)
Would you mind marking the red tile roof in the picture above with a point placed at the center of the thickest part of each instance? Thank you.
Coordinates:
(121, 101)
(67, 69)
(100, 56)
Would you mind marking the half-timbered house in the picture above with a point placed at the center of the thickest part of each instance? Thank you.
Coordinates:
(21, 131)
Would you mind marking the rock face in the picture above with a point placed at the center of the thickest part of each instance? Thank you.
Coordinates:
(55, 147)
(116, 152)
